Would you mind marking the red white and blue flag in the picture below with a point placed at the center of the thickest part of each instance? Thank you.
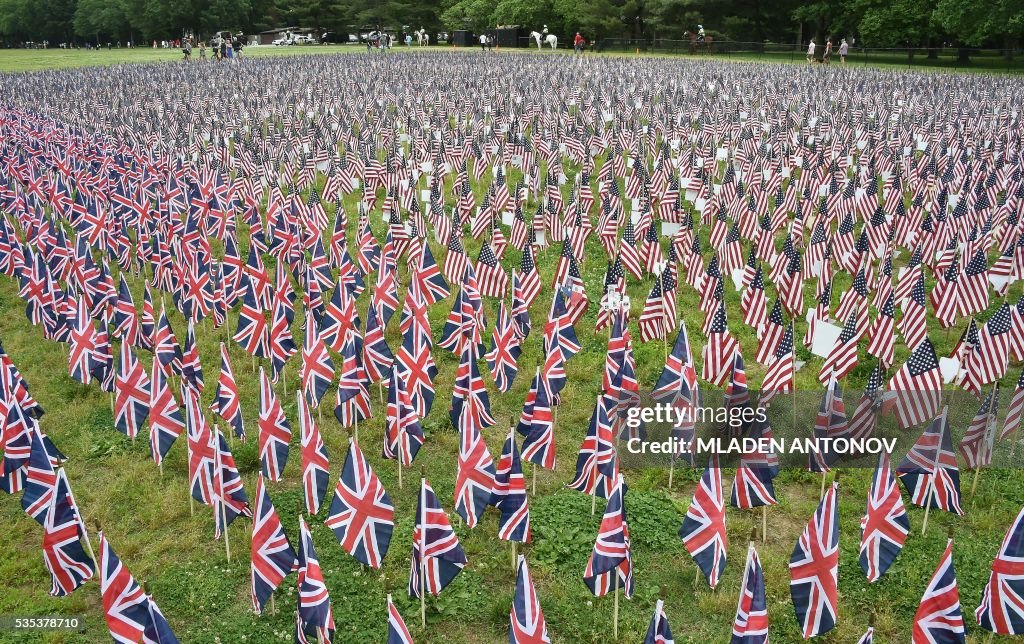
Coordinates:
(275, 432)
(315, 464)
(63, 533)
(398, 633)
(273, 557)
(938, 619)
(703, 530)
(610, 566)
(361, 513)
(929, 470)
(751, 623)
(1002, 602)
(885, 525)
(125, 606)
(814, 569)
(526, 619)
(437, 556)
(314, 617)
(509, 495)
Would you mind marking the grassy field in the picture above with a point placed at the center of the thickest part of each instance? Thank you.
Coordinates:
(146, 516)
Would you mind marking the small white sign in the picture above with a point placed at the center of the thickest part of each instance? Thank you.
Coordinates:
(949, 368)
(825, 336)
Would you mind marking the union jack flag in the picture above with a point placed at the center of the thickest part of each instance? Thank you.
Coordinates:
(377, 356)
(353, 399)
(191, 366)
(658, 631)
(275, 432)
(361, 514)
(132, 387)
(829, 423)
(230, 500)
(252, 333)
(165, 420)
(415, 361)
(929, 470)
(595, 463)
(403, 434)
(398, 633)
(165, 345)
(814, 569)
(273, 557)
(611, 562)
(538, 428)
(1002, 602)
(40, 478)
(505, 351)
(226, 404)
(315, 464)
(509, 495)
(754, 483)
(938, 619)
(317, 367)
(703, 530)
(125, 606)
(751, 623)
(526, 620)
(437, 556)
(868, 637)
(63, 532)
(314, 617)
(83, 345)
(884, 526)
(474, 478)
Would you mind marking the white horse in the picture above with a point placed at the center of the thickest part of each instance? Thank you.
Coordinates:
(422, 37)
(550, 39)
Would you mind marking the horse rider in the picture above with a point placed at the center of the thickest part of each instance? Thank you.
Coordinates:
(700, 33)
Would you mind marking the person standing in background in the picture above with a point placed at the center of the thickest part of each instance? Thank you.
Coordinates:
(810, 51)
(826, 58)
(578, 43)
(844, 49)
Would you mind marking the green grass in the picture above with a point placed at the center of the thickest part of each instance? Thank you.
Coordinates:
(147, 519)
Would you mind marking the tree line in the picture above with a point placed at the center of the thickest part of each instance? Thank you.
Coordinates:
(874, 23)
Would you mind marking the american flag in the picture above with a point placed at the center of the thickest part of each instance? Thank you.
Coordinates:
(437, 556)
(1002, 601)
(63, 533)
(929, 470)
(275, 432)
(526, 620)
(884, 526)
(719, 350)
(610, 566)
(1015, 411)
(703, 530)
(882, 341)
(865, 417)
(781, 370)
(917, 386)
(814, 569)
(361, 513)
(751, 623)
(493, 280)
(771, 334)
(938, 617)
(529, 278)
(273, 557)
(314, 616)
(977, 443)
(973, 286)
(843, 357)
(990, 360)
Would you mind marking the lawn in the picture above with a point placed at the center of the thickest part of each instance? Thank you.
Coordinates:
(146, 513)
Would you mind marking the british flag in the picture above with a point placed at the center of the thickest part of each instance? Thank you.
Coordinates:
(754, 483)
(226, 403)
(751, 623)
(509, 495)
(252, 333)
(885, 525)
(340, 319)
(361, 514)
(659, 631)
(610, 566)
(314, 617)
(377, 356)
(317, 367)
(82, 345)
(40, 478)
(158, 630)
(132, 387)
(865, 416)
(474, 478)
(427, 274)
(125, 606)
(63, 533)
(538, 429)
(938, 619)
(230, 500)
(505, 350)
(280, 339)
(595, 462)
(398, 633)
(275, 432)
(353, 399)
(703, 530)
(1002, 601)
(437, 556)
(526, 620)
(273, 557)
(315, 464)
(929, 470)
(415, 361)
(403, 434)
(814, 569)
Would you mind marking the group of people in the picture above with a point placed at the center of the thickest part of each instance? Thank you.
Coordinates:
(221, 48)
(826, 57)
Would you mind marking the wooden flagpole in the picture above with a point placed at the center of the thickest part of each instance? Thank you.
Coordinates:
(615, 613)
(220, 475)
(355, 433)
(423, 551)
(764, 524)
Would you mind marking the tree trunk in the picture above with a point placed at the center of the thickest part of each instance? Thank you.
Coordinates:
(963, 56)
